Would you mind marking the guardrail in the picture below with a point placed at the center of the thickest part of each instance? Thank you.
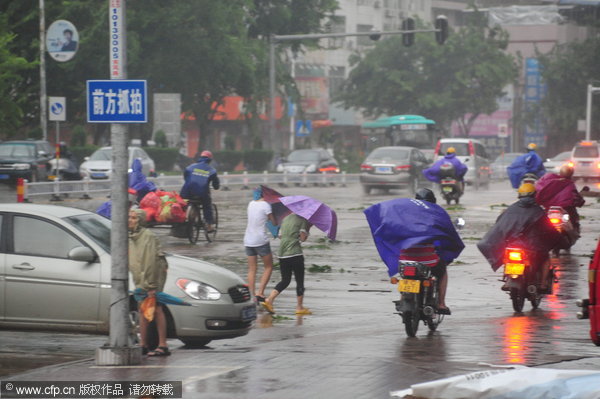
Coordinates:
(88, 188)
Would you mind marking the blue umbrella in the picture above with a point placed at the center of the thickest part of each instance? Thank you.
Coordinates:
(161, 297)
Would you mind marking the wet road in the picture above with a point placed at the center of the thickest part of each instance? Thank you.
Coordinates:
(354, 340)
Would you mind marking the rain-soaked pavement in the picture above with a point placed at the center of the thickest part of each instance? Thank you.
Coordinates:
(353, 345)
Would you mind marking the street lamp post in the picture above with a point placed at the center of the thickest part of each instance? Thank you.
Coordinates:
(588, 114)
(275, 39)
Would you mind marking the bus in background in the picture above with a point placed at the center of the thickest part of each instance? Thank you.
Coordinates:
(400, 130)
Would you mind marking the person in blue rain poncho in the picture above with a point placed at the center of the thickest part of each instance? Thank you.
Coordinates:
(137, 180)
(460, 169)
(403, 224)
(530, 162)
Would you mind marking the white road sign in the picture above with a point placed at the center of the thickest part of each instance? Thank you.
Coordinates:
(58, 109)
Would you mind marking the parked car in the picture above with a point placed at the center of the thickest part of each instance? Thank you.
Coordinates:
(472, 153)
(585, 159)
(498, 167)
(55, 271)
(554, 164)
(28, 159)
(393, 167)
(98, 165)
(309, 161)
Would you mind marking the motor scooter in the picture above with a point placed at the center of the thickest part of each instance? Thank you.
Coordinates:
(562, 223)
(63, 169)
(524, 276)
(418, 297)
(451, 188)
(590, 307)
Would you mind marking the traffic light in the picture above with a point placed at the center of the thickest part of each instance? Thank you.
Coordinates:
(408, 38)
(441, 29)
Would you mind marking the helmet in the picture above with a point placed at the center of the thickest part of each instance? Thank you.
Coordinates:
(566, 171)
(526, 190)
(426, 194)
(206, 154)
(531, 146)
(450, 150)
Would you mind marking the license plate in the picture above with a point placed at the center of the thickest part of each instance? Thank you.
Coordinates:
(98, 175)
(249, 313)
(4, 177)
(412, 286)
(383, 169)
(514, 268)
(585, 163)
(447, 189)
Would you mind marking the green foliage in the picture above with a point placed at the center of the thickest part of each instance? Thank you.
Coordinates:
(160, 138)
(227, 160)
(445, 82)
(164, 158)
(319, 268)
(257, 160)
(567, 70)
(78, 136)
(80, 152)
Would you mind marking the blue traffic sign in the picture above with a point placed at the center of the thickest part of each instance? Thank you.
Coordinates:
(303, 128)
(117, 101)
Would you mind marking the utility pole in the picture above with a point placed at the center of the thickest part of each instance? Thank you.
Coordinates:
(441, 31)
(43, 97)
(588, 114)
(119, 350)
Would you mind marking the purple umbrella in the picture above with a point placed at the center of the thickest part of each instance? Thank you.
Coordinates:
(314, 211)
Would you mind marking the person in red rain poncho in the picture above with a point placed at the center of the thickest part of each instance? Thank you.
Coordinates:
(559, 190)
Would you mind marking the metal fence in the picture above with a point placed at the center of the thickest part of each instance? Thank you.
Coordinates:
(92, 188)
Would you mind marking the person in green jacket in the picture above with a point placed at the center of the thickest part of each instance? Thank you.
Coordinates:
(148, 267)
(294, 230)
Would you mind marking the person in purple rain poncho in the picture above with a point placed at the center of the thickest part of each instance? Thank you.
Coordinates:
(460, 169)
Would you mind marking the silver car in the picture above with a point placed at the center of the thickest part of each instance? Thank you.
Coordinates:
(554, 164)
(98, 165)
(585, 159)
(55, 275)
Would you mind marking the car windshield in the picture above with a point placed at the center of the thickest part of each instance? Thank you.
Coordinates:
(101, 155)
(94, 226)
(462, 149)
(586, 152)
(563, 156)
(303, 156)
(17, 150)
(506, 158)
(385, 154)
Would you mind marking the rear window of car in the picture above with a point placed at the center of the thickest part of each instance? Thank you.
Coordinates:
(388, 154)
(462, 149)
(304, 156)
(586, 152)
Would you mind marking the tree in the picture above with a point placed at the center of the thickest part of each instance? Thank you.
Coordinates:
(457, 81)
(567, 70)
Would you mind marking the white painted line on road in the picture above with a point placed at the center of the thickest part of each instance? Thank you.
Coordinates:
(208, 375)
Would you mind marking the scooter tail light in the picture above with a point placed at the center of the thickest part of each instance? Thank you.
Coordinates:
(514, 255)
(555, 220)
(409, 271)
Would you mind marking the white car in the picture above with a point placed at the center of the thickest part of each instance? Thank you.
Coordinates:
(554, 164)
(55, 269)
(98, 165)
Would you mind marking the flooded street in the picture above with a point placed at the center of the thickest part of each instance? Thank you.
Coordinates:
(354, 345)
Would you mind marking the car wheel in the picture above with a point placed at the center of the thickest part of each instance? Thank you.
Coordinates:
(195, 342)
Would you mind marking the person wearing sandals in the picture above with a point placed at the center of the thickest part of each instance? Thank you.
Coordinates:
(148, 267)
(294, 230)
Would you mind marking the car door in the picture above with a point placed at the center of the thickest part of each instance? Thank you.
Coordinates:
(42, 284)
(419, 162)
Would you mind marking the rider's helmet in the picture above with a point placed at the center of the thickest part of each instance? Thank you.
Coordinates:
(450, 150)
(566, 171)
(206, 154)
(531, 146)
(526, 190)
(426, 194)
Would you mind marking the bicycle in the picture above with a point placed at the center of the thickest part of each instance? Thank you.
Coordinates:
(195, 222)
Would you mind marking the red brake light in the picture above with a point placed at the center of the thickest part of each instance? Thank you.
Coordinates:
(409, 271)
(437, 148)
(514, 254)
(471, 148)
(366, 167)
(554, 220)
(586, 143)
(402, 167)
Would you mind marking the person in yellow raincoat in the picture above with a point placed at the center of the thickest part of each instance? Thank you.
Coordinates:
(148, 267)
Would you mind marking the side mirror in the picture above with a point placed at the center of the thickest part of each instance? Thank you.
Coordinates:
(459, 223)
(585, 189)
(86, 158)
(82, 254)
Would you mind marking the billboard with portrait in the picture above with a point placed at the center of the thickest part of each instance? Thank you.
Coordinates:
(62, 40)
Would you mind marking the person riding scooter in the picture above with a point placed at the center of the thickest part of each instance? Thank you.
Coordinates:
(435, 172)
(524, 223)
(560, 190)
(529, 162)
